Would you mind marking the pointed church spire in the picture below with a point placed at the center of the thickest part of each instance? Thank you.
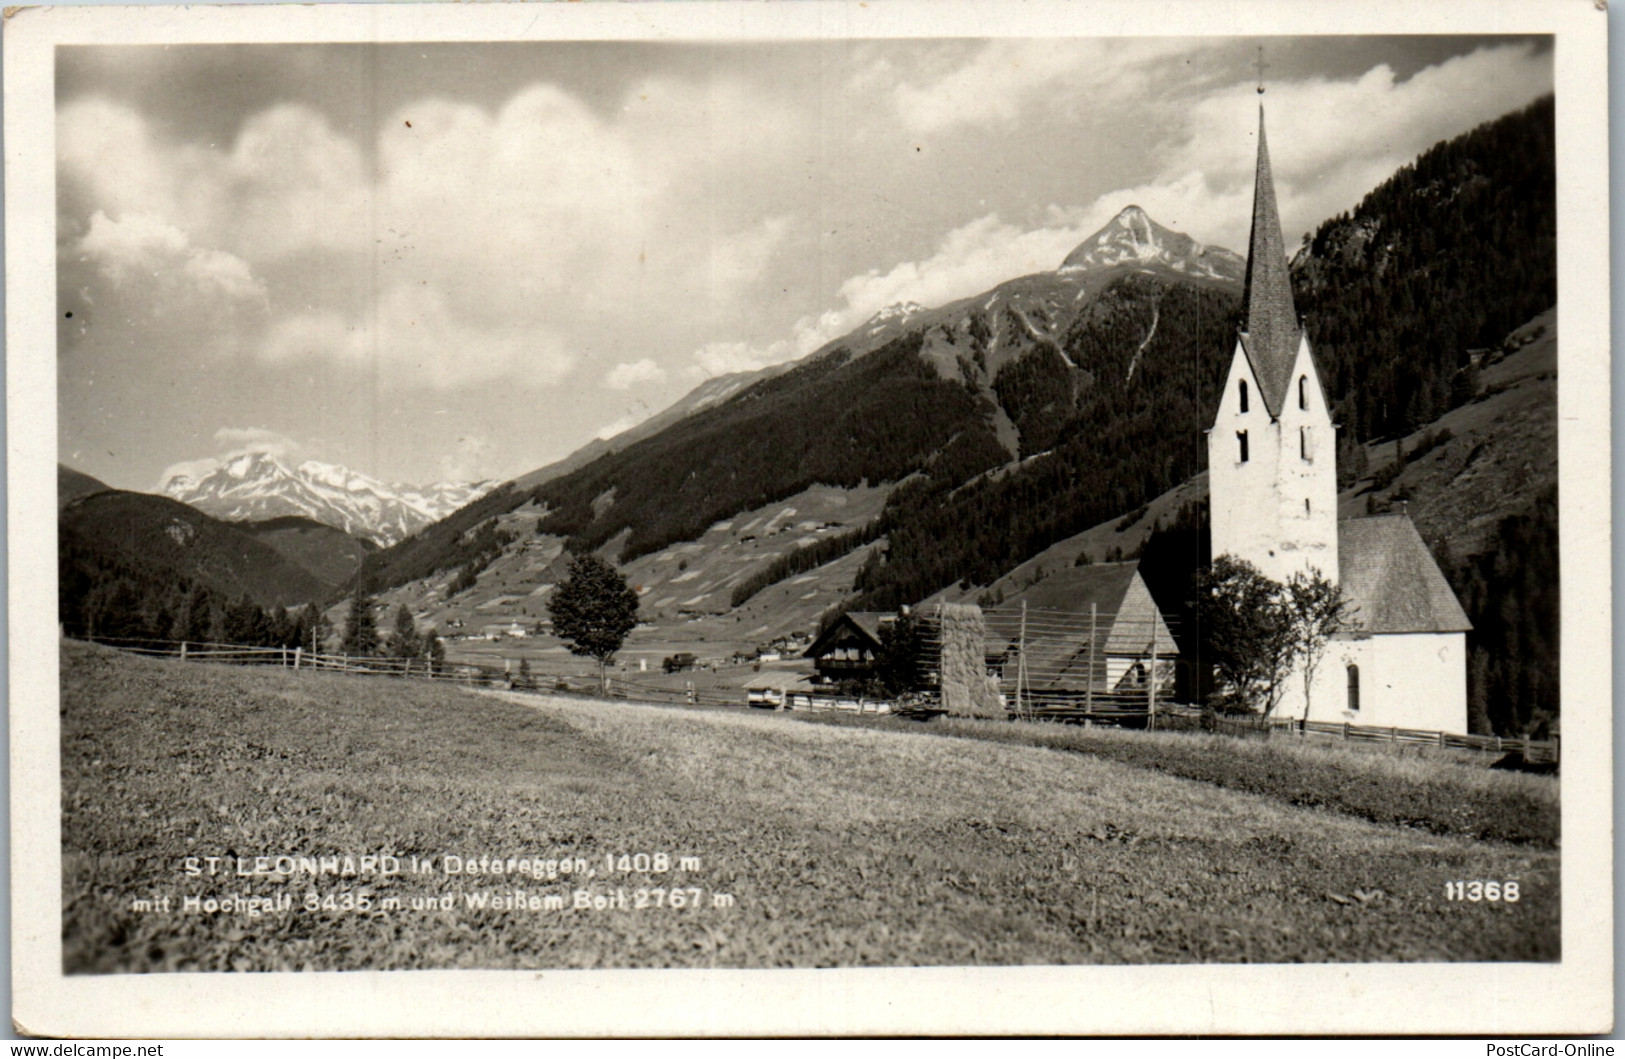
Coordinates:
(1270, 318)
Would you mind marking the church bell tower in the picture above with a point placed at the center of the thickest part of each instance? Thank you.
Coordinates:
(1272, 450)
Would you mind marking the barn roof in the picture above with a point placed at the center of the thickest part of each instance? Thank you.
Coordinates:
(782, 680)
(865, 622)
(1057, 633)
(1270, 319)
(1075, 588)
(1391, 579)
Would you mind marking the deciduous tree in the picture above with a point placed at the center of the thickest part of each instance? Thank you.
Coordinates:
(593, 609)
(1317, 612)
(1247, 633)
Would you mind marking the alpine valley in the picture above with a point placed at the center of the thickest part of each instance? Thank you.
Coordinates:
(956, 451)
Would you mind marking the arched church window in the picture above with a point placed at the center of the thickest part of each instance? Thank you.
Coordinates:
(1303, 391)
(1354, 688)
(1303, 442)
(1241, 440)
(1244, 395)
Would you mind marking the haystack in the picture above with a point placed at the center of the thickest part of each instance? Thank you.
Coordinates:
(967, 690)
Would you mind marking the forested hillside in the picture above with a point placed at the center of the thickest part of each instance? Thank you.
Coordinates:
(143, 566)
(1447, 256)
(1116, 440)
(835, 420)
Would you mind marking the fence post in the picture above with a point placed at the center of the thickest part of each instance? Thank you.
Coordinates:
(1151, 676)
(183, 650)
(1021, 660)
(1089, 684)
(298, 656)
(1441, 738)
(1345, 731)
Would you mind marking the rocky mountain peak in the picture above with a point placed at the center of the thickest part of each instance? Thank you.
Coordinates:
(1132, 238)
(252, 486)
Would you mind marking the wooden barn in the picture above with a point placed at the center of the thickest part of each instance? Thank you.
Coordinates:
(1085, 631)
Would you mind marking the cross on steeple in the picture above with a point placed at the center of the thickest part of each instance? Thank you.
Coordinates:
(1260, 69)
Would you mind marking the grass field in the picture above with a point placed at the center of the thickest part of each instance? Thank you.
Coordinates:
(832, 845)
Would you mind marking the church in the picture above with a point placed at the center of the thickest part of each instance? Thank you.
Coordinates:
(1272, 477)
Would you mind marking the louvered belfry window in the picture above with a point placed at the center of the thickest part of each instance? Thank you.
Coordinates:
(1241, 440)
(1244, 395)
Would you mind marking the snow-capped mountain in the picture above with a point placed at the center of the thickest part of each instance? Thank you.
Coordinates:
(1133, 238)
(256, 485)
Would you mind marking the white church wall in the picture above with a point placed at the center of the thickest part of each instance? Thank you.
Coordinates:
(1242, 495)
(1407, 680)
(1307, 468)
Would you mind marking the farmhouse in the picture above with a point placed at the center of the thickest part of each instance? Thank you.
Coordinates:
(1272, 462)
(1085, 630)
(850, 647)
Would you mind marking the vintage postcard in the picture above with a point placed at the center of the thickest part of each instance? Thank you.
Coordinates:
(820, 518)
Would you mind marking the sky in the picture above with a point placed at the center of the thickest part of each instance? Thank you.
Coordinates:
(455, 261)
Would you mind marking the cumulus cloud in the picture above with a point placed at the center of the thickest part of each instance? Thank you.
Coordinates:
(1323, 163)
(726, 358)
(996, 80)
(289, 182)
(467, 461)
(238, 440)
(1333, 141)
(142, 249)
(475, 245)
(626, 375)
(621, 424)
(232, 442)
(413, 339)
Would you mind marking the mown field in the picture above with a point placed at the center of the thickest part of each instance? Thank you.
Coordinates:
(817, 845)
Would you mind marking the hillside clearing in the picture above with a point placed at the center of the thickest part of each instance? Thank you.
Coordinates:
(835, 846)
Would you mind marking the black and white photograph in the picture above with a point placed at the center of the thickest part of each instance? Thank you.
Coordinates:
(809, 518)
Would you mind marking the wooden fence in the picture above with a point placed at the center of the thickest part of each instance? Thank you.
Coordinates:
(1533, 750)
(508, 677)
(1132, 708)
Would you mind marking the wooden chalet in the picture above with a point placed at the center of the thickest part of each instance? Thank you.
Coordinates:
(849, 648)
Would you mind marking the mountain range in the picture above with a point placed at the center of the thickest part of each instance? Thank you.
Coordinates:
(933, 451)
(254, 486)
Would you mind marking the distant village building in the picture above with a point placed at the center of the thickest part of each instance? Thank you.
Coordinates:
(1087, 629)
(778, 690)
(497, 630)
(1272, 462)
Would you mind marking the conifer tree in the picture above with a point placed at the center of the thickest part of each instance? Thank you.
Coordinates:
(360, 627)
(404, 644)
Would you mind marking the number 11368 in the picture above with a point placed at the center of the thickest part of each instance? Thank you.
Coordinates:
(1477, 890)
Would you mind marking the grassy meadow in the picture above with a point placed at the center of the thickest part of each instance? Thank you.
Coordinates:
(810, 845)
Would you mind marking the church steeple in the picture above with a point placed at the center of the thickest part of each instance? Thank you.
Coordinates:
(1271, 320)
(1272, 451)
